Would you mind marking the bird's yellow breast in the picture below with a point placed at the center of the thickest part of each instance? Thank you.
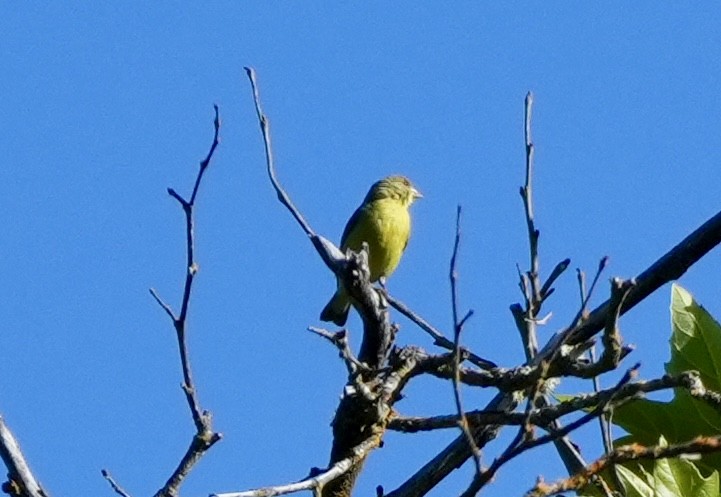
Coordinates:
(385, 226)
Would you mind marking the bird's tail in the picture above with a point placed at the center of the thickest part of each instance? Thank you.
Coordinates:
(336, 310)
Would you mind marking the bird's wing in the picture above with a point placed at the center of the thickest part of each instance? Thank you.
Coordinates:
(352, 223)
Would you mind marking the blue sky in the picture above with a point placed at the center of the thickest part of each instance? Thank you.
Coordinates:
(104, 106)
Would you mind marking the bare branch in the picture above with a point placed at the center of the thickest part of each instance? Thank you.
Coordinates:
(340, 340)
(625, 453)
(546, 289)
(604, 423)
(529, 281)
(162, 304)
(21, 480)
(355, 420)
(668, 267)
(438, 338)
(205, 437)
(116, 488)
(612, 347)
(517, 449)
(265, 130)
(457, 358)
(316, 482)
(545, 415)
(586, 296)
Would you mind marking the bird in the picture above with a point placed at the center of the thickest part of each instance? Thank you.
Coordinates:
(383, 221)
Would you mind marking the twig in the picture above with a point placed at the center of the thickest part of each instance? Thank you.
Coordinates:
(527, 195)
(625, 453)
(604, 423)
(438, 338)
(351, 268)
(162, 304)
(515, 450)
(581, 277)
(689, 380)
(613, 351)
(340, 340)
(20, 478)
(530, 281)
(586, 296)
(117, 488)
(546, 289)
(457, 358)
(316, 482)
(536, 294)
(204, 437)
(265, 130)
(668, 267)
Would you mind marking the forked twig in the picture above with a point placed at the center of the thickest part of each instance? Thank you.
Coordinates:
(340, 340)
(205, 437)
(586, 295)
(457, 358)
(523, 445)
(530, 280)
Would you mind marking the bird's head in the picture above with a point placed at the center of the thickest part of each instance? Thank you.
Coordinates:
(395, 187)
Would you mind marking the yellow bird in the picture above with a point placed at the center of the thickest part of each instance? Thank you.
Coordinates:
(384, 223)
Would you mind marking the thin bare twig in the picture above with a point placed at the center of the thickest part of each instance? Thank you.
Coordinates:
(113, 484)
(316, 482)
(603, 420)
(457, 358)
(546, 289)
(586, 296)
(21, 480)
(530, 280)
(438, 338)
(204, 437)
(515, 450)
(265, 130)
(340, 340)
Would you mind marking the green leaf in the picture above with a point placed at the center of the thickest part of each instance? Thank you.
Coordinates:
(695, 341)
(668, 478)
(633, 484)
(695, 345)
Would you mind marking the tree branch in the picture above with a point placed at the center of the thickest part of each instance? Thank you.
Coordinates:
(113, 484)
(205, 437)
(625, 453)
(439, 338)
(21, 481)
(457, 357)
(315, 483)
(667, 268)
(355, 421)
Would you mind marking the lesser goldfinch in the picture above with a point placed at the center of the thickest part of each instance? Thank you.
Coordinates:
(384, 223)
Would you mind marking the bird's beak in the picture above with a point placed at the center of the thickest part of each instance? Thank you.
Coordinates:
(416, 194)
